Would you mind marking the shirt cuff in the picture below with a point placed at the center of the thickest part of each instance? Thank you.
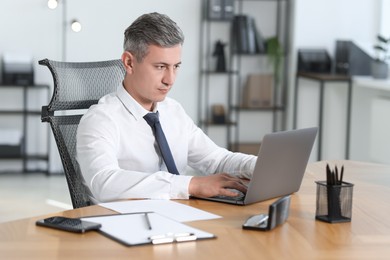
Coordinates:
(179, 187)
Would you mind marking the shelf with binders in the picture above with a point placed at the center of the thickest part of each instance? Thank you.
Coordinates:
(263, 112)
(260, 92)
(246, 39)
(216, 79)
(24, 140)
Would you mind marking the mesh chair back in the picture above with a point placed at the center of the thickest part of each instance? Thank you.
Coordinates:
(77, 86)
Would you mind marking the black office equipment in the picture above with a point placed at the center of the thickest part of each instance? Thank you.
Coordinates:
(279, 172)
(68, 224)
(277, 214)
(17, 69)
(245, 37)
(314, 60)
(334, 197)
(10, 151)
(11, 143)
(334, 202)
(351, 60)
(220, 9)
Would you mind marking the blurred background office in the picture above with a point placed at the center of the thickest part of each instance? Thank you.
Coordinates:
(87, 30)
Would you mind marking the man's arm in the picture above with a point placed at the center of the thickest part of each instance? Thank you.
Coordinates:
(225, 170)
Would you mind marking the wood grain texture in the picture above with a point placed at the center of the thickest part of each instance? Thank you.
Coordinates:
(367, 236)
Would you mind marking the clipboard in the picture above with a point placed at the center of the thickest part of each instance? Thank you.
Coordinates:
(143, 228)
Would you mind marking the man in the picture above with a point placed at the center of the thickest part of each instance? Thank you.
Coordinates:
(116, 147)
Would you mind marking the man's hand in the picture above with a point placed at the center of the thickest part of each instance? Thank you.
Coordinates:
(216, 185)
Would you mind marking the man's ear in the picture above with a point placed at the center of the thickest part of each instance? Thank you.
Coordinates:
(128, 61)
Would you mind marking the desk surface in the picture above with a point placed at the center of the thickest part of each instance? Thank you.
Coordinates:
(371, 83)
(324, 76)
(301, 237)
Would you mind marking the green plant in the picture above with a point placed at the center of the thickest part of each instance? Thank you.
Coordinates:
(274, 51)
(382, 48)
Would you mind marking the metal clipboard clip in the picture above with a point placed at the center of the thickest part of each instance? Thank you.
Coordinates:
(172, 237)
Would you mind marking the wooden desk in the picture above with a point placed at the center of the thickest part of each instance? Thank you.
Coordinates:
(301, 237)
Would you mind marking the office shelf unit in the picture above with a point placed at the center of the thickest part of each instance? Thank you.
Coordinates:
(23, 113)
(226, 88)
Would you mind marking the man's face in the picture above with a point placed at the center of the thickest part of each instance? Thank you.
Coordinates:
(152, 79)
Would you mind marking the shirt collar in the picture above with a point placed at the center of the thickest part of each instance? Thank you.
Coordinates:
(131, 104)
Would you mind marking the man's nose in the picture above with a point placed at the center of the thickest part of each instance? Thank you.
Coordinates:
(169, 77)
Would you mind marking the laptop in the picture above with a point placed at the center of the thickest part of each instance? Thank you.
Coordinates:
(280, 166)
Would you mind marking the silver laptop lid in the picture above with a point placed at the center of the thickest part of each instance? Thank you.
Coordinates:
(281, 164)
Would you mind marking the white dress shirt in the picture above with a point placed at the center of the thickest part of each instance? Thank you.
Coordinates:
(119, 157)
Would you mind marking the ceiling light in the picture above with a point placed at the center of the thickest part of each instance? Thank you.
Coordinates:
(76, 26)
(52, 4)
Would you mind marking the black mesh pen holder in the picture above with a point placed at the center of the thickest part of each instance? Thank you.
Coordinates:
(334, 202)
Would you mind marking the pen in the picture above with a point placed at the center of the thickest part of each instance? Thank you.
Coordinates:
(341, 175)
(148, 221)
(328, 175)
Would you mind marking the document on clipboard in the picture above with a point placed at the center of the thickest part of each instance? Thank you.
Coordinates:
(147, 228)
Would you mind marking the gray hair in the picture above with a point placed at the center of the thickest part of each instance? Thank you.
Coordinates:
(151, 29)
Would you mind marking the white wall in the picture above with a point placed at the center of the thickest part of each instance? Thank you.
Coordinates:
(318, 24)
(385, 18)
(102, 36)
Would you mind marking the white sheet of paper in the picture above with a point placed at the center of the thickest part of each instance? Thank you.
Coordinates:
(133, 229)
(170, 209)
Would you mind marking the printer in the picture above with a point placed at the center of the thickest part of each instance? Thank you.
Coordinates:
(17, 69)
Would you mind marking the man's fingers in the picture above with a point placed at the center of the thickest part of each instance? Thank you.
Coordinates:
(229, 193)
(219, 184)
(229, 188)
(235, 183)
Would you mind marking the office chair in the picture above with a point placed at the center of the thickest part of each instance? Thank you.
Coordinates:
(77, 86)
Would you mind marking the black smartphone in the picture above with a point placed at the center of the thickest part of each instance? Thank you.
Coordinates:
(277, 214)
(69, 224)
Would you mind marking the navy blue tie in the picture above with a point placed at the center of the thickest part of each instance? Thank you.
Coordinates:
(154, 122)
